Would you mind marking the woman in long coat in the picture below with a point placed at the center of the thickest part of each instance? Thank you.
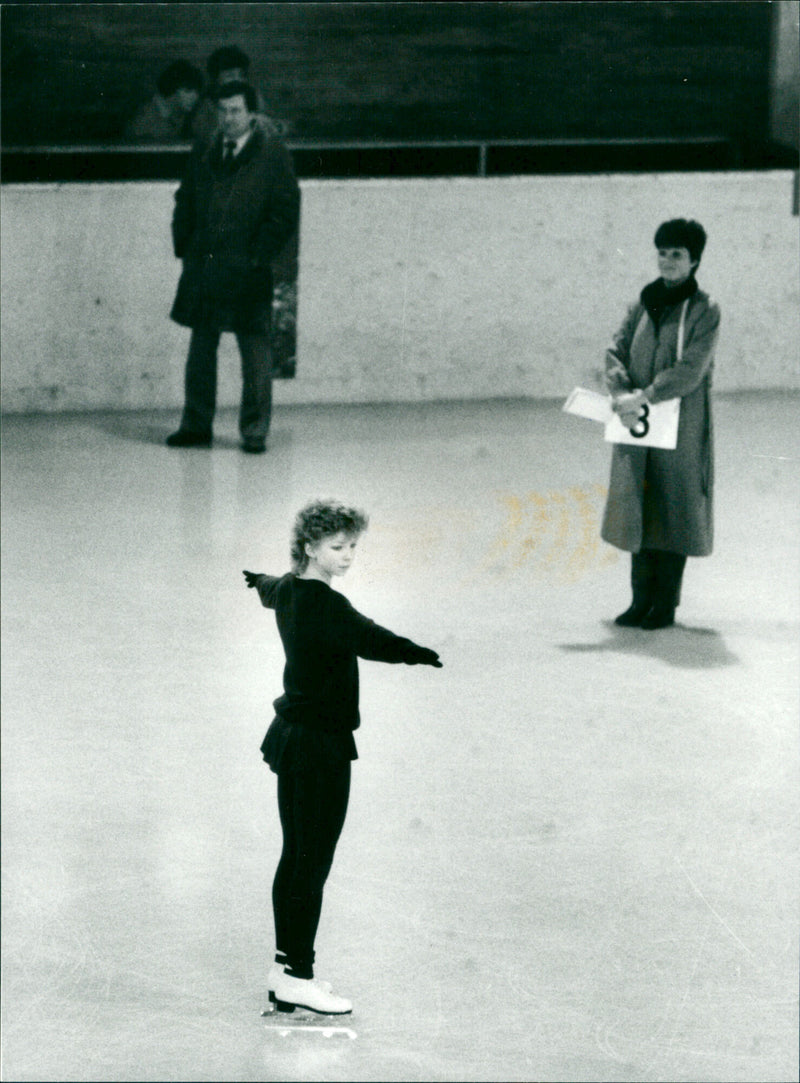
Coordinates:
(660, 502)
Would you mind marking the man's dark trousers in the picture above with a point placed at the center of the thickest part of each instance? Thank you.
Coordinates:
(201, 384)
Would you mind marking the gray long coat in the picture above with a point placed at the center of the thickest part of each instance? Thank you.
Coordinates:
(228, 226)
(660, 499)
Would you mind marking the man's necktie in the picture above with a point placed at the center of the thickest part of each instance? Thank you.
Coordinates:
(230, 146)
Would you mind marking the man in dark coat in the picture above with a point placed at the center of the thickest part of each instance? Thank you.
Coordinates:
(235, 209)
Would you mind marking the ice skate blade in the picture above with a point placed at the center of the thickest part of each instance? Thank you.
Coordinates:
(277, 1024)
(326, 1032)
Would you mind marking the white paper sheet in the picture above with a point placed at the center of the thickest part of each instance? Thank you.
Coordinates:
(658, 426)
(591, 404)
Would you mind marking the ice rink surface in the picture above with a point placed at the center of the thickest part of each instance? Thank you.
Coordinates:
(571, 854)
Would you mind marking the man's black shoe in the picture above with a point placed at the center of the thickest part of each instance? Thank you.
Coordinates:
(254, 447)
(184, 438)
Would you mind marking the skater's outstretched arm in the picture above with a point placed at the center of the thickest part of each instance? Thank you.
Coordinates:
(266, 585)
(369, 640)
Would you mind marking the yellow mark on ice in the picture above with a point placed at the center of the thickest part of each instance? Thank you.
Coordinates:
(552, 533)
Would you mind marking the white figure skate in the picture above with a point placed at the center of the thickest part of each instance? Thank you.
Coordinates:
(291, 993)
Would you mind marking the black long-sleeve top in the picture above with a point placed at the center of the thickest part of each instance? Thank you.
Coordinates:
(323, 636)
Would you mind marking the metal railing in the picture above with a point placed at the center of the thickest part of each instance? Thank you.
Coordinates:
(387, 158)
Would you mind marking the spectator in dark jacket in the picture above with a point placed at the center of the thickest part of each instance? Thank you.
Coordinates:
(226, 65)
(167, 116)
(235, 209)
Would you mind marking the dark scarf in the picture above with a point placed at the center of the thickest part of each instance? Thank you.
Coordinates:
(657, 297)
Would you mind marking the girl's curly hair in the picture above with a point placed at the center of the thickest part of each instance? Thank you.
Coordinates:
(320, 519)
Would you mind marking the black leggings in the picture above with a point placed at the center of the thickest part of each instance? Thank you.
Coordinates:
(312, 802)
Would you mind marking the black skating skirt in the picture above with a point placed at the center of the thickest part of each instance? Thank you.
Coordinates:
(290, 746)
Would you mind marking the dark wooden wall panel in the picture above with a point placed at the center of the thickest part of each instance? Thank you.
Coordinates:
(73, 73)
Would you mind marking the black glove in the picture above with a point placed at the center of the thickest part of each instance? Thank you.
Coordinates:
(252, 578)
(423, 656)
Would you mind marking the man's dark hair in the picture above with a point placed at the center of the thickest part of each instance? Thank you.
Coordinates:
(226, 59)
(177, 75)
(233, 89)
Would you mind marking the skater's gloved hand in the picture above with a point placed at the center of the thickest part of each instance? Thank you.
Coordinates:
(252, 578)
(423, 656)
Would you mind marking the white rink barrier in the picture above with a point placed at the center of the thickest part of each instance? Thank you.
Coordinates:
(409, 290)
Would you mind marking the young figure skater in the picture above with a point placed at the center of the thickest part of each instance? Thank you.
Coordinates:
(310, 743)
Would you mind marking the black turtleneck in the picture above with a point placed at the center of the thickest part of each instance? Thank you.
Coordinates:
(322, 636)
(657, 296)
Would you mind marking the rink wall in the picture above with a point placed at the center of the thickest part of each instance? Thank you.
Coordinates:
(409, 289)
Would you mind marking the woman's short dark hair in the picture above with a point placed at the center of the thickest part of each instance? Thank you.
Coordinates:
(235, 88)
(178, 75)
(321, 519)
(228, 58)
(680, 233)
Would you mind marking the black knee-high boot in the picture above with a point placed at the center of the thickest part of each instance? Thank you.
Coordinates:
(643, 585)
(668, 578)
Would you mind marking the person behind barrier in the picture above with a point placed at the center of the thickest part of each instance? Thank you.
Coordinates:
(167, 116)
(660, 502)
(225, 65)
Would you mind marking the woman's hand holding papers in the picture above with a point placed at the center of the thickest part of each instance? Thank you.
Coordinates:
(628, 406)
